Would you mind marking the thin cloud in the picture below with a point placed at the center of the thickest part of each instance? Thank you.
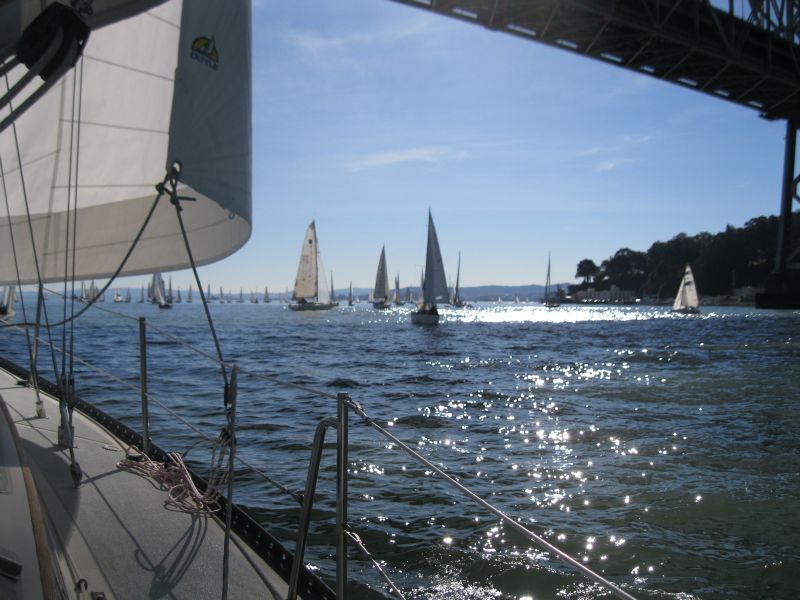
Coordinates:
(318, 44)
(612, 164)
(427, 154)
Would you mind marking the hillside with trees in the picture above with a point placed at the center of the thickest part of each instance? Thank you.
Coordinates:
(735, 258)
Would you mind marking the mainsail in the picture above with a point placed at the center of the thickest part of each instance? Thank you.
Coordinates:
(305, 284)
(193, 57)
(435, 283)
(381, 291)
(686, 299)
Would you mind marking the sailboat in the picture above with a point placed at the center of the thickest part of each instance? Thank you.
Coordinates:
(333, 293)
(310, 288)
(266, 295)
(241, 296)
(686, 300)
(547, 300)
(397, 300)
(118, 296)
(457, 301)
(7, 302)
(159, 297)
(380, 293)
(189, 295)
(434, 285)
(164, 114)
(350, 295)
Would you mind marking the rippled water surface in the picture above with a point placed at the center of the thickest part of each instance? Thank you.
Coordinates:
(661, 451)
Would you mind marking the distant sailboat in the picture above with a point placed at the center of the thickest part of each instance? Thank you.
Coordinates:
(397, 300)
(547, 301)
(221, 296)
(241, 296)
(457, 301)
(169, 291)
(686, 300)
(178, 299)
(189, 295)
(350, 295)
(408, 298)
(333, 293)
(434, 286)
(117, 296)
(380, 293)
(310, 288)
(266, 295)
(7, 302)
(158, 292)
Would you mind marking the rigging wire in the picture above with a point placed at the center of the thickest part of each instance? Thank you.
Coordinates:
(172, 179)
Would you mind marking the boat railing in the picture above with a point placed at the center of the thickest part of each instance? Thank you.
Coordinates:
(345, 405)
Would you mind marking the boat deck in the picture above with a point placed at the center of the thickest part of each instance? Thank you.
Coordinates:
(113, 531)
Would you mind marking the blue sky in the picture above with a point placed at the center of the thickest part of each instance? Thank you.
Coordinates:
(366, 113)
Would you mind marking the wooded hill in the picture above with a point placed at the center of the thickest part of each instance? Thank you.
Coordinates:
(734, 258)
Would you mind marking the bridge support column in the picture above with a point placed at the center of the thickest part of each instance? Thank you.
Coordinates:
(782, 288)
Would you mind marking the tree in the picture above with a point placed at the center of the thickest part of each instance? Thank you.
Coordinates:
(587, 270)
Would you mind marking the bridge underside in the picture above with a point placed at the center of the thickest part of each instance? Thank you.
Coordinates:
(753, 62)
(686, 42)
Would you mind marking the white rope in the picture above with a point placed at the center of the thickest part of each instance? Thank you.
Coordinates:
(174, 475)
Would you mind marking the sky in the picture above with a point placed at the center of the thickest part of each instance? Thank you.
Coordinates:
(368, 113)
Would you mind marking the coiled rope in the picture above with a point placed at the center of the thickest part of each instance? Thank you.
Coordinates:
(173, 474)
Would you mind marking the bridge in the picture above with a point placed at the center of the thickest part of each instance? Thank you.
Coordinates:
(748, 54)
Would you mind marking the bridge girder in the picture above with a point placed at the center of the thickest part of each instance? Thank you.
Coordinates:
(751, 59)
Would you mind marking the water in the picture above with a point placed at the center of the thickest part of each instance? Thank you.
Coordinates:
(659, 450)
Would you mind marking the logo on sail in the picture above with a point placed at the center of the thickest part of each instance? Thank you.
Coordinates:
(204, 50)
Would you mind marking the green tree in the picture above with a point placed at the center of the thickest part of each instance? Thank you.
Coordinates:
(587, 270)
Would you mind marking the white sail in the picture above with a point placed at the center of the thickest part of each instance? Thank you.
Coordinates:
(380, 292)
(158, 289)
(323, 293)
(435, 284)
(686, 299)
(7, 301)
(305, 284)
(193, 57)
